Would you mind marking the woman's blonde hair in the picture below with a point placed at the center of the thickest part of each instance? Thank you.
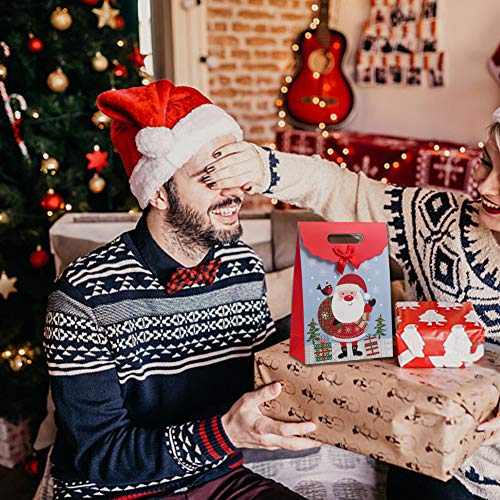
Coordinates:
(494, 128)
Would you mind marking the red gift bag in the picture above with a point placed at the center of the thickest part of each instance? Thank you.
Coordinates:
(341, 303)
(438, 335)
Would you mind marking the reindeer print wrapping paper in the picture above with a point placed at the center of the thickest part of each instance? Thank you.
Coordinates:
(423, 420)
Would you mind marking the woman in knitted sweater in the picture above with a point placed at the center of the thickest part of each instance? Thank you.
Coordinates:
(447, 245)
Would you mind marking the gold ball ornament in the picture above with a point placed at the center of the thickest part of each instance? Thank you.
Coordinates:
(97, 184)
(3, 72)
(100, 120)
(100, 62)
(61, 19)
(18, 362)
(57, 81)
(49, 165)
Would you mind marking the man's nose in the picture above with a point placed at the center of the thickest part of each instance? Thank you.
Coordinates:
(348, 298)
(235, 192)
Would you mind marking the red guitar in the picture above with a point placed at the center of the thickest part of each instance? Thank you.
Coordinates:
(319, 91)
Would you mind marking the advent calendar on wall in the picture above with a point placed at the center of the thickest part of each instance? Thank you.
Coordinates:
(399, 45)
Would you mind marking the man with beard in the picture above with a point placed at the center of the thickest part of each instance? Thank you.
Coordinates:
(344, 316)
(149, 339)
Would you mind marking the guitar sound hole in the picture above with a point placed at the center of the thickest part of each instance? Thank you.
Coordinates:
(321, 62)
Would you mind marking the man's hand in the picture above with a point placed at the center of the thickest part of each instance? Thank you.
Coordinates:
(492, 427)
(246, 427)
(236, 165)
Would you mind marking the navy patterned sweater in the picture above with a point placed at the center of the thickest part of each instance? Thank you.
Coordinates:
(140, 378)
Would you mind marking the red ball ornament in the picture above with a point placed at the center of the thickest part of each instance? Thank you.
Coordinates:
(39, 258)
(52, 201)
(34, 44)
(119, 70)
(119, 22)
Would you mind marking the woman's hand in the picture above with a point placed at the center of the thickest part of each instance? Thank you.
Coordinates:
(491, 426)
(236, 165)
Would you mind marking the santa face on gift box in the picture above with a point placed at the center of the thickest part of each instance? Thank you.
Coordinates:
(344, 316)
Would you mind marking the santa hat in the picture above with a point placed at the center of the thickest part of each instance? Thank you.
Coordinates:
(347, 282)
(158, 128)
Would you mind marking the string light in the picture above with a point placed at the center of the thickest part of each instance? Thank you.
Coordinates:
(314, 7)
(279, 103)
(396, 164)
(340, 159)
(329, 151)
(282, 114)
(462, 149)
(343, 164)
(436, 147)
(333, 117)
(284, 89)
(480, 144)
(322, 126)
(315, 100)
(50, 213)
(387, 166)
(336, 135)
(281, 123)
(384, 180)
(316, 75)
(68, 207)
(345, 151)
(288, 79)
(324, 133)
(120, 43)
(295, 47)
(404, 156)
(274, 201)
(35, 114)
(4, 218)
(308, 35)
(447, 152)
(322, 104)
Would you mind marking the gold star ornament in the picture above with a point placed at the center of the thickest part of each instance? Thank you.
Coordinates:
(7, 285)
(106, 16)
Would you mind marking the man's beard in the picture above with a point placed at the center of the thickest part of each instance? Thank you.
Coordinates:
(192, 229)
(345, 313)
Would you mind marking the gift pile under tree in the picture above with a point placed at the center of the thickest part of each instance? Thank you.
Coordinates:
(55, 58)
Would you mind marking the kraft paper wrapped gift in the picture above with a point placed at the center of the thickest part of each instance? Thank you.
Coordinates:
(423, 420)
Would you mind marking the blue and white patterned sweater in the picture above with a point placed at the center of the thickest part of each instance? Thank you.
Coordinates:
(435, 236)
(140, 378)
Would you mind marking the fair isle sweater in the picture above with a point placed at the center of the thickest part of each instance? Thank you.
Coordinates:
(435, 236)
(140, 378)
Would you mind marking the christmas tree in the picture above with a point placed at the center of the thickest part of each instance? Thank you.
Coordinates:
(55, 58)
(313, 331)
(380, 328)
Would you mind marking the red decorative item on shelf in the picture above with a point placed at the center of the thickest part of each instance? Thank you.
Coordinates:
(394, 160)
(97, 160)
(137, 58)
(52, 201)
(438, 335)
(119, 22)
(34, 44)
(39, 258)
(119, 70)
(90, 2)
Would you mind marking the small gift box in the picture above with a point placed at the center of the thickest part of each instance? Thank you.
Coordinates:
(15, 442)
(341, 304)
(438, 335)
(422, 420)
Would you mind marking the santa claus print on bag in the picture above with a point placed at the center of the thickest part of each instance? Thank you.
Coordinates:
(341, 304)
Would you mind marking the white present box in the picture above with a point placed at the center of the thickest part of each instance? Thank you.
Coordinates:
(15, 442)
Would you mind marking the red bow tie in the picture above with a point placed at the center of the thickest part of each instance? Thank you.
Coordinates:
(204, 274)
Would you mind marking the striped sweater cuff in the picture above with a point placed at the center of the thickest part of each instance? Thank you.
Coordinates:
(213, 440)
(196, 445)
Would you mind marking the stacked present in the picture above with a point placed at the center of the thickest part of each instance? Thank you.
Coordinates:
(421, 415)
(396, 160)
(15, 442)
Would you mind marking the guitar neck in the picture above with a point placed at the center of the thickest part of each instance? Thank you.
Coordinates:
(323, 32)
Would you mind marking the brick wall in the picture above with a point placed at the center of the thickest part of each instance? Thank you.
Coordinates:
(253, 40)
